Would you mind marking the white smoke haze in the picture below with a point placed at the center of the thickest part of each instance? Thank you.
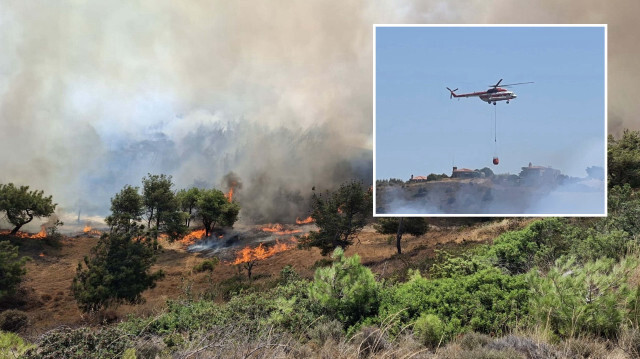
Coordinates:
(577, 196)
(95, 95)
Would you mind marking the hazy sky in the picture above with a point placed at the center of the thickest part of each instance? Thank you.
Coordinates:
(557, 121)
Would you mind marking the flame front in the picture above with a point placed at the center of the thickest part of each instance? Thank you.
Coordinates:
(39, 235)
(192, 237)
(279, 230)
(87, 228)
(247, 254)
(304, 221)
(229, 195)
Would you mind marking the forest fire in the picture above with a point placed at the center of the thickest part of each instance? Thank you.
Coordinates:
(42, 255)
(304, 221)
(89, 230)
(247, 254)
(279, 229)
(229, 195)
(192, 237)
(20, 234)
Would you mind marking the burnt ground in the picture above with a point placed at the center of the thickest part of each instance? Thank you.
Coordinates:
(46, 297)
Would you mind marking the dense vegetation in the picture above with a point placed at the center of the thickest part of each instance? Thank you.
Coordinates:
(559, 287)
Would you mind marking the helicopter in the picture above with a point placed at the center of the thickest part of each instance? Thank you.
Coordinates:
(493, 94)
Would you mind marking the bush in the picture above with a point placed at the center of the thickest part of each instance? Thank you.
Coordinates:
(447, 265)
(539, 244)
(372, 340)
(526, 346)
(13, 320)
(12, 346)
(473, 340)
(346, 291)
(118, 271)
(326, 330)
(429, 330)
(573, 299)
(487, 301)
(288, 275)
(12, 268)
(80, 343)
(206, 265)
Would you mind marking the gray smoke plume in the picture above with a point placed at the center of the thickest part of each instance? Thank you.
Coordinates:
(95, 95)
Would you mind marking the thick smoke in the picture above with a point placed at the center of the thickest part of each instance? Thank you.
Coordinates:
(95, 95)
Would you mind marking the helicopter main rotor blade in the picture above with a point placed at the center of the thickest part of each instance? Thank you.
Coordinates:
(497, 84)
(518, 83)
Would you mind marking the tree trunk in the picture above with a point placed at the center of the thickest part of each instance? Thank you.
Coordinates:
(15, 230)
(157, 224)
(399, 235)
(149, 219)
(18, 226)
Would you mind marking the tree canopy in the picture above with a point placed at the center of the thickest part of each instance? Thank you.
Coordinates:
(22, 205)
(187, 202)
(126, 209)
(159, 199)
(623, 156)
(339, 216)
(214, 209)
(116, 272)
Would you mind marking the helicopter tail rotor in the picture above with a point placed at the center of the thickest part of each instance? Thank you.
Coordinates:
(452, 92)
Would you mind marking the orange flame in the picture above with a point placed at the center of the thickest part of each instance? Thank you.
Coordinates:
(192, 237)
(42, 255)
(41, 234)
(229, 195)
(279, 229)
(304, 221)
(20, 234)
(89, 230)
(247, 254)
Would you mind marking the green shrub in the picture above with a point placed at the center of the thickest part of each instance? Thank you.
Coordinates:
(12, 269)
(233, 286)
(429, 330)
(206, 265)
(574, 299)
(346, 291)
(13, 320)
(539, 244)
(447, 265)
(487, 301)
(593, 245)
(12, 346)
(288, 275)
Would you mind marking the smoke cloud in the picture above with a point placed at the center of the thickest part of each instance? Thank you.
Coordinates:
(94, 95)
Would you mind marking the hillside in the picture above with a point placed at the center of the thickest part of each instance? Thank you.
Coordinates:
(48, 301)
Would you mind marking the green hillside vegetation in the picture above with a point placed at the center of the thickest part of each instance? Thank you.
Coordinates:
(558, 288)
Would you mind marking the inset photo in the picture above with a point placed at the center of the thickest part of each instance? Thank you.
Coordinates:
(495, 120)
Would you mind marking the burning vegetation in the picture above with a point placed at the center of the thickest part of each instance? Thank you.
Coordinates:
(304, 221)
(20, 234)
(248, 257)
